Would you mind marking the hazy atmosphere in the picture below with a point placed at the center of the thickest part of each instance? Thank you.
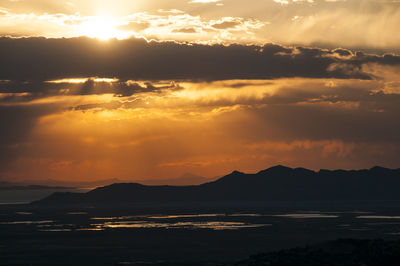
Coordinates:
(140, 90)
(200, 132)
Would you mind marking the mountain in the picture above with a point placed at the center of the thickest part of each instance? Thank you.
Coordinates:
(32, 187)
(62, 183)
(275, 183)
(186, 179)
(8, 184)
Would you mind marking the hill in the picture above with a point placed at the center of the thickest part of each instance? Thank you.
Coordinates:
(275, 183)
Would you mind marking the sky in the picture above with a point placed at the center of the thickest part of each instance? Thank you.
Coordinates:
(150, 89)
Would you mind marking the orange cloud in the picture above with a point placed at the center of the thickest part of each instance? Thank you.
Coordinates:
(208, 128)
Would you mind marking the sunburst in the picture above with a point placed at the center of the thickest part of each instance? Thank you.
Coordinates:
(102, 28)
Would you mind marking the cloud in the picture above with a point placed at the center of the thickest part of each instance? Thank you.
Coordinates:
(152, 25)
(134, 26)
(185, 30)
(16, 123)
(226, 24)
(286, 2)
(210, 128)
(27, 91)
(369, 24)
(133, 108)
(41, 59)
(355, 25)
(205, 1)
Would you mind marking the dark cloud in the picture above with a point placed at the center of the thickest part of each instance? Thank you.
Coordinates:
(136, 59)
(120, 89)
(185, 30)
(226, 25)
(315, 123)
(16, 124)
(135, 26)
(19, 91)
(359, 114)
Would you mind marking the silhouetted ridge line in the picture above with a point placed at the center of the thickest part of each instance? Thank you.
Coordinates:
(275, 183)
(279, 169)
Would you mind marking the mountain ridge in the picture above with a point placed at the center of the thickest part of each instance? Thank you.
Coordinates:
(275, 183)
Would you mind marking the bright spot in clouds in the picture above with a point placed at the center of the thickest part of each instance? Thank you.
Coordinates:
(102, 28)
(82, 80)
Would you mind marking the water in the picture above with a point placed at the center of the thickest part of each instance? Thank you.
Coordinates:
(185, 233)
(212, 221)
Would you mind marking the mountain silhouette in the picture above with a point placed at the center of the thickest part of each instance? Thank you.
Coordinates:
(275, 183)
(186, 179)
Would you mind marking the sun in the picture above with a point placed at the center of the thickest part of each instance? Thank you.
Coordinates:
(102, 28)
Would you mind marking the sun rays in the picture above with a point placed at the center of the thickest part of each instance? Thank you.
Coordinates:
(102, 28)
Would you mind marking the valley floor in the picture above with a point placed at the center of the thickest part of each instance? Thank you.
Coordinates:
(198, 233)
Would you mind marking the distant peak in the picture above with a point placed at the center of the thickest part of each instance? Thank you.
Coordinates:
(237, 173)
(277, 169)
(280, 167)
(378, 168)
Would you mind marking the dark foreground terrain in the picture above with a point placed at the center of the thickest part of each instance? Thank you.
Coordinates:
(199, 233)
(343, 252)
(280, 213)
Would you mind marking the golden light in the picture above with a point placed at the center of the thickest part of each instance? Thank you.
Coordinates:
(82, 80)
(102, 28)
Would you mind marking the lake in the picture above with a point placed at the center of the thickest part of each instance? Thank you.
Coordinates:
(191, 233)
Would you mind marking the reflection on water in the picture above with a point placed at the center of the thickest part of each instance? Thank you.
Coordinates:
(118, 218)
(185, 216)
(246, 215)
(306, 215)
(55, 230)
(105, 218)
(377, 217)
(77, 213)
(89, 229)
(184, 225)
(24, 213)
(178, 216)
(85, 221)
(150, 221)
(55, 225)
(211, 221)
(29, 222)
(15, 203)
